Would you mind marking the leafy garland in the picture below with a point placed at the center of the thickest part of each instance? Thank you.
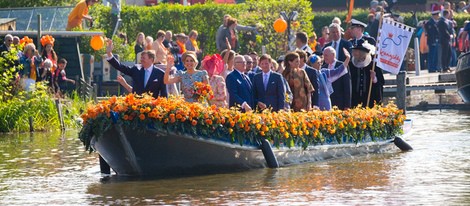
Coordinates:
(283, 128)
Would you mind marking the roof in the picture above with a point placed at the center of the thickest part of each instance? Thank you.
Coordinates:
(52, 18)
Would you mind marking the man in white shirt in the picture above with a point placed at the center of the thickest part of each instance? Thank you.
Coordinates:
(341, 97)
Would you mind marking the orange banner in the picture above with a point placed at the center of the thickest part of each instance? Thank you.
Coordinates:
(351, 7)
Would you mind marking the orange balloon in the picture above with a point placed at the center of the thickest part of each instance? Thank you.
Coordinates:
(280, 25)
(97, 42)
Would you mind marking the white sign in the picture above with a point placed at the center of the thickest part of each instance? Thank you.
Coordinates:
(392, 45)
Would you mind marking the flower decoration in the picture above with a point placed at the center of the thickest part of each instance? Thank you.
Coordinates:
(283, 128)
(48, 39)
(26, 40)
(203, 91)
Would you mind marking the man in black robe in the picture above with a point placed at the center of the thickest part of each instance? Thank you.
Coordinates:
(361, 75)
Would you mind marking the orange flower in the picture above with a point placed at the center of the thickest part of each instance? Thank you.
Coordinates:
(142, 116)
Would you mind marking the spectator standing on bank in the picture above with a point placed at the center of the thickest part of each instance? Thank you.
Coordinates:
(139, 44)
(432, 32)
(78, 13)
(220, 41)
(229, 33)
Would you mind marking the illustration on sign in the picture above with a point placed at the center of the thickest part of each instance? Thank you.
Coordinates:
(390, 38)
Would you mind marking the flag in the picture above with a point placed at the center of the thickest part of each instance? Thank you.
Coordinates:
(393, 42)
(350, 10)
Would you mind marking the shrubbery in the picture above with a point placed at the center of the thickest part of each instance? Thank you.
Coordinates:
(206, 18)
(17, 105)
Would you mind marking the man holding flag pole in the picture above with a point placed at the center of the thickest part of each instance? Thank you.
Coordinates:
(367, 80)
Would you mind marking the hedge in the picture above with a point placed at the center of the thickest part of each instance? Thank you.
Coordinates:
(206, 18)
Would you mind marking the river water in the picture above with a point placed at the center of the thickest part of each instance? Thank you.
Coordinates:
(54, 169)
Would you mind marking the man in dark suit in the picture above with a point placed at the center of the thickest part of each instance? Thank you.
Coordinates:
(432, 33)
(268, 87)
(5, 47)
(311, 74)
(146, 77)
(446, 33)
(337, 42)
(239, 86)
(357, 29)
(341, 96)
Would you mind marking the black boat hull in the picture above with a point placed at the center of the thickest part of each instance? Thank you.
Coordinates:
(463, 77)
(151, 153)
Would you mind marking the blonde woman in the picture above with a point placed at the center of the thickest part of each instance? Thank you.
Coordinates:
(139, 44)
(188, 77)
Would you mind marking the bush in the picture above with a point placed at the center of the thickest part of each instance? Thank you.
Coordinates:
(16, 105)
(206, 19)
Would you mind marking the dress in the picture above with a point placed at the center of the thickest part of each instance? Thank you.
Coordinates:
(301, 89)
(220, 93)
(137, 49)
(187, 83)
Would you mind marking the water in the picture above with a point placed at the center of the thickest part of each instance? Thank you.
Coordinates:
(50, 169)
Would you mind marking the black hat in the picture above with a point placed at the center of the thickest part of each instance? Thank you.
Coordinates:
(363, 45)
(355, 22)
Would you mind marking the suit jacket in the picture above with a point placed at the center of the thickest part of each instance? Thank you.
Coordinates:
(445, 30)
(4, 48)
(274, 96)
(343, 43)
(155, 82)
(225, 33)
(240, 89)
(312, 76)
(432, 31)
(341, 96)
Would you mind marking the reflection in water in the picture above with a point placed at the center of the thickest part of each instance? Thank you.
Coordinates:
(50, 169)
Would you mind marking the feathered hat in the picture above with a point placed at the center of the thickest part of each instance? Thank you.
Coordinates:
(48, 39)
(365, 46)
(26, 40)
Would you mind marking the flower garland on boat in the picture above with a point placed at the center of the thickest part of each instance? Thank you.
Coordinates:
(282, 128)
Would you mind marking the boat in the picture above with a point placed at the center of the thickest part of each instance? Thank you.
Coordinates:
(462, 74)
(164, 141)
(154, 153)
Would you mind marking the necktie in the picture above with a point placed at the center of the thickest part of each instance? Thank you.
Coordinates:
(334, 47)
(147, 76)
(265, 81)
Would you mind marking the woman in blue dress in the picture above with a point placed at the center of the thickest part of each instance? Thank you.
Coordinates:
(188, 77)
(325, 77)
